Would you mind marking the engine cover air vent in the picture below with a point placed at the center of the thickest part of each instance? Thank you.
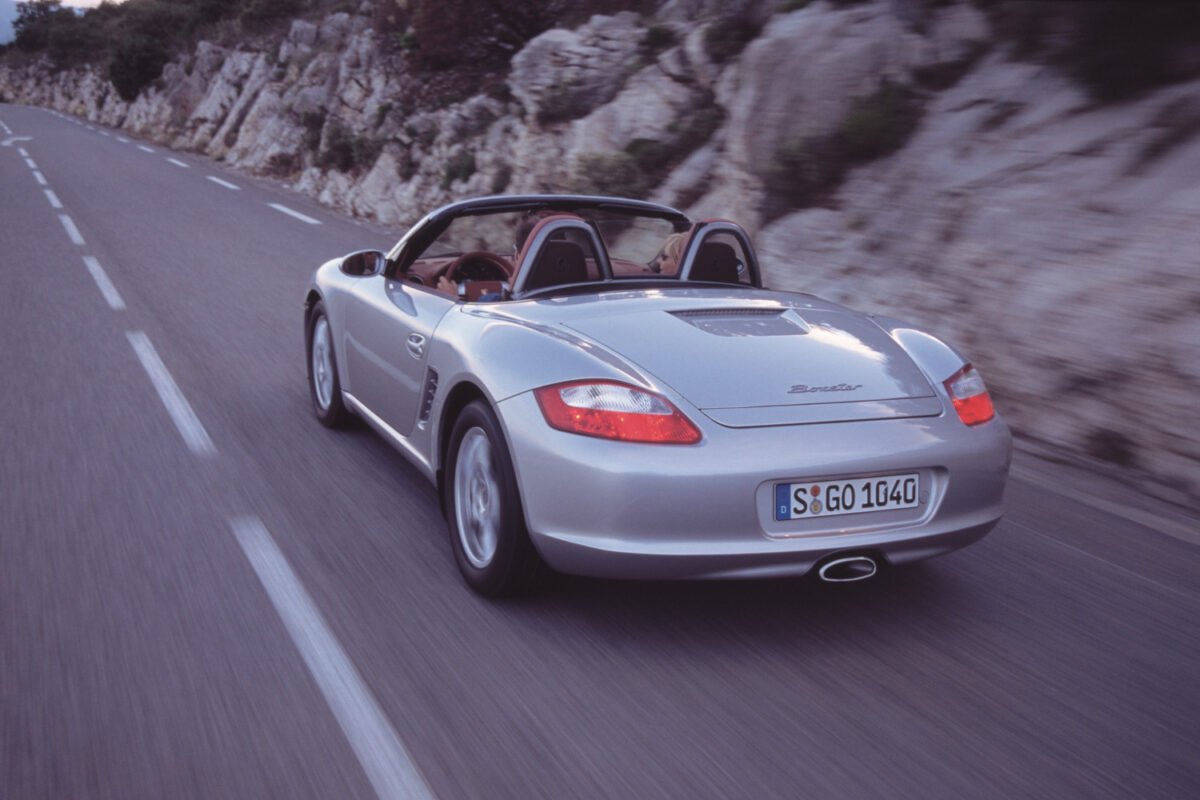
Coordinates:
(745, 321)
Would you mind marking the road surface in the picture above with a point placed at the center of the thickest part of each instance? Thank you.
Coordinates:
(204, 593)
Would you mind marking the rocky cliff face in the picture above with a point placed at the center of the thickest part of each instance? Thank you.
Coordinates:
(1052, 240)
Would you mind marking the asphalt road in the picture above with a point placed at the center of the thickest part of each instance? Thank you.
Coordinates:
(155, 643)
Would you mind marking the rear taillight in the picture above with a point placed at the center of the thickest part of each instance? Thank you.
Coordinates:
(611, 410)
(970, 396)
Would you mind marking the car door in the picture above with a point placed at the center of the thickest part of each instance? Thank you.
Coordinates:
(389, 324)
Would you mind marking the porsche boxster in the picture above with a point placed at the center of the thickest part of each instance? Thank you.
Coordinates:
(602, 386)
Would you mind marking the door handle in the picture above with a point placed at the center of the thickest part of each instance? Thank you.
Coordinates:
(416, 345)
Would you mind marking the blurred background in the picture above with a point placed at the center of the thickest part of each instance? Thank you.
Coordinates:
(1020, 177)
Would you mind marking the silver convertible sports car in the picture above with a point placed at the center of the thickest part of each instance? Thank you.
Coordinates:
(604, 387)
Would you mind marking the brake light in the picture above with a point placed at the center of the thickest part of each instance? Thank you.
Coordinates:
(970, 396)
(611, 410)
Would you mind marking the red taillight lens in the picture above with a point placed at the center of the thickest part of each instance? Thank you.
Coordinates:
(611, 410)
(970, 396)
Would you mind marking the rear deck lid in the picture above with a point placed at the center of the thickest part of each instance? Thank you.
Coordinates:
(753, 366)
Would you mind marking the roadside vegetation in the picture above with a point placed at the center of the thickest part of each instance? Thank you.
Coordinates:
(453, 41)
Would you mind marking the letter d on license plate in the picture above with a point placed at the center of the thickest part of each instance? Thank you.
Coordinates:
(850, 496)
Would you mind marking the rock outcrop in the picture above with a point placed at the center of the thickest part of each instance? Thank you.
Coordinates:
(1050, 239)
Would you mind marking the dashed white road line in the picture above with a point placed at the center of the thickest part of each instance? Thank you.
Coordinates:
(111, 295)
(6, 128)
(145, 149)
(24, 153)
(29, 162)
(73, 232)
(383, 756)
(122, 140)
(91, 127)
(40, 178)
(178, 163)
(53, 198)
(296, 214)
(178, 408)
(105, 133)
(226, 184)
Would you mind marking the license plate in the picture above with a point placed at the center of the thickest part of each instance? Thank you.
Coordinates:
(851, 496)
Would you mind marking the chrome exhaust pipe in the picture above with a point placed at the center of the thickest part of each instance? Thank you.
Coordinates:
(847, 570)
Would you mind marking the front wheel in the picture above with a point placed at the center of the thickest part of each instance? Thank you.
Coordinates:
(323, 384)
(483, 507)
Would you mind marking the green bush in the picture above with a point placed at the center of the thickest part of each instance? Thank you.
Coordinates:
(1121, 49)
(346, 151)
(74, 42)
(658, 37)
(134, 64)
(257, 12)
(806, 171)
(1116, 50)
(615, 174)
(459, 167)
(879, 123)
(728, 36)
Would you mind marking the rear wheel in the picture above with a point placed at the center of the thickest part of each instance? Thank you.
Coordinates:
(323, 384)
(483, 507)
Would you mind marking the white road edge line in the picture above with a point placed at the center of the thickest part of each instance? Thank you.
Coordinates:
(111, 295)
(73, 232)
(178, 163)
(226, 184)
(40, 178)
(145, 149)
(181, 412)
(383, 756)
(53, 198)
(296, 214)
(1119, 567)
(1147, 519)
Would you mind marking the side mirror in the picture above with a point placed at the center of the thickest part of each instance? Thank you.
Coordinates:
(364, 262)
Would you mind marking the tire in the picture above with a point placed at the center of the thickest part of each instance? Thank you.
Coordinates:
(483, 509)
(324, 387)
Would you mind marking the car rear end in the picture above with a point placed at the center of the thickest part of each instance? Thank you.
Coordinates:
(775, 436)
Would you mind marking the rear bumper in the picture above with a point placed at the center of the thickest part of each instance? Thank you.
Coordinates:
(614, 509)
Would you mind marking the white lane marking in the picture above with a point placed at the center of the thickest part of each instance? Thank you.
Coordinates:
(177, 162)
(122, 140)
(40, 178)
(24, 153)
(7, 129)
(296, 214)
(106, 286)
(29, 162)
(383, 757)
(91, 128)
(105, 133)
(145, 149)
(73, 232)
(226, 184)
(181, 412)
(53, 198)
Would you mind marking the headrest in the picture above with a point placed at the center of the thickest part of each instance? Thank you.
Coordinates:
(558, 262)
(715, 261)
